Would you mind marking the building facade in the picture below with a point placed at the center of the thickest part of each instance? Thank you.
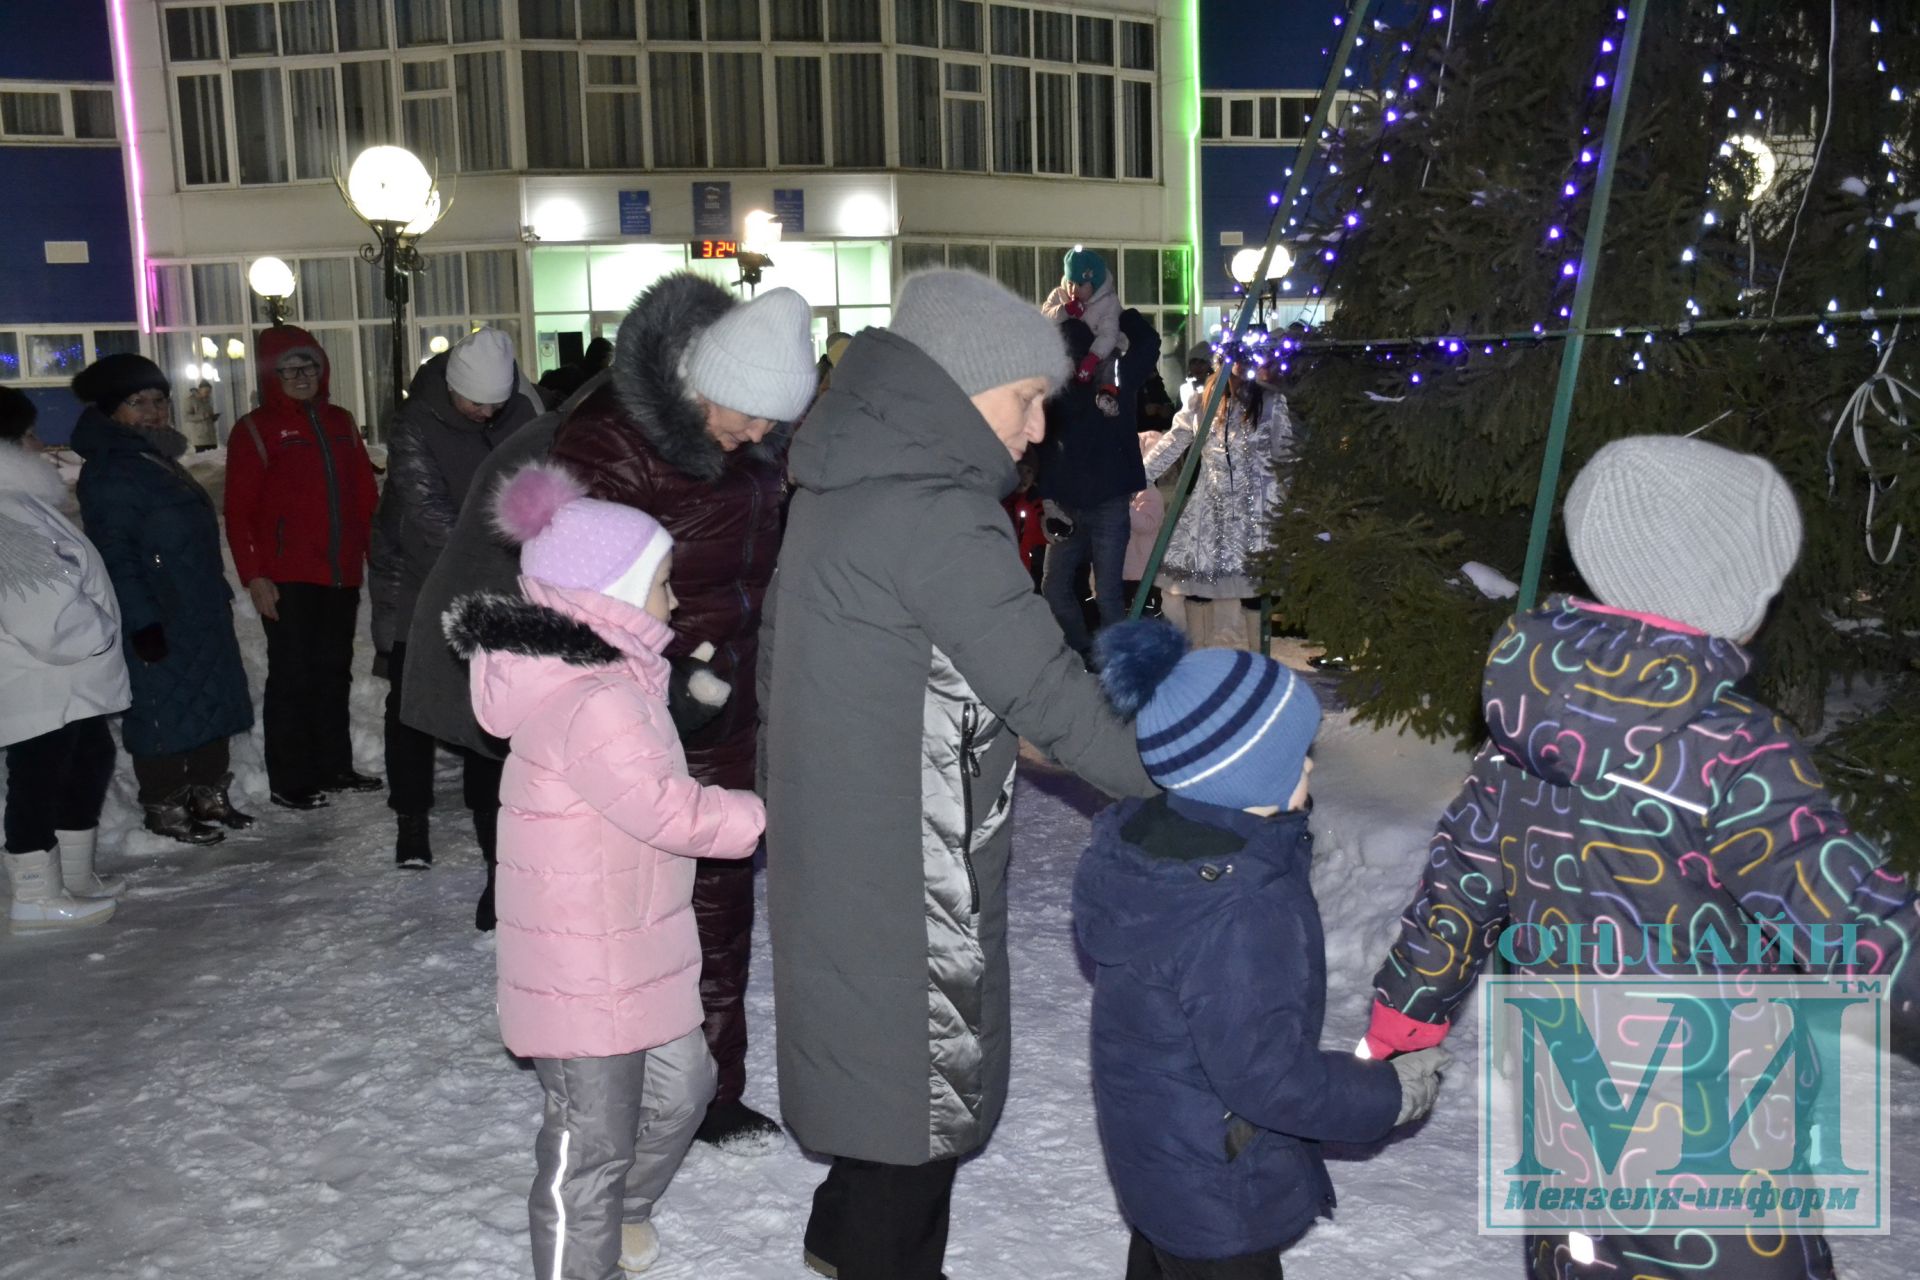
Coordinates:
(67, 283)
(589, 146)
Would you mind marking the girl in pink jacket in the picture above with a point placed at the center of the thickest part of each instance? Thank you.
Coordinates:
(599, 963)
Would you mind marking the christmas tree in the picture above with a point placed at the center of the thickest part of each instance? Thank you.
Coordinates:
(1765, 172)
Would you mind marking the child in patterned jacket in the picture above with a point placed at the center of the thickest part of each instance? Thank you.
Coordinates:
(1628, 783)
(1086, 292)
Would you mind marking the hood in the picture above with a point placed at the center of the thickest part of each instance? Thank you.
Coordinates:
(32, 476)
(1143, 340)
(1574, 691)
(892, 413)
(269, 345)
(96, 434)
(1156, 872)
(527, 649)
(650, 386)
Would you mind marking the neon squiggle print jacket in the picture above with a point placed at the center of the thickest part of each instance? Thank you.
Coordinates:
(1626, 782)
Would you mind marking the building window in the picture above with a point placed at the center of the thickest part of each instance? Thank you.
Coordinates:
(679, 111)
(859, 114)
(262, 96)
(37, 111)
(1260, 119)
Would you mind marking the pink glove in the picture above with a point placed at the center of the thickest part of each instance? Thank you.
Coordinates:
(1074, 308)
(1390, 1032)
(1088, 365)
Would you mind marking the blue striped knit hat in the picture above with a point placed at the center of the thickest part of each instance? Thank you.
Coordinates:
(1221, 726)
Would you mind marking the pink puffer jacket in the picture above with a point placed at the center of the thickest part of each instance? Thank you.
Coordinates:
(599, 823)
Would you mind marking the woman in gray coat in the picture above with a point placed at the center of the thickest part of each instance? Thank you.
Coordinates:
(904, 657)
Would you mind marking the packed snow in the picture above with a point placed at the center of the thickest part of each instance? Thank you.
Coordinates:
(280, 1059)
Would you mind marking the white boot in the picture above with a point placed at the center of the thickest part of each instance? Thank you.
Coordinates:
(39, 903)
(1173, 607)
(76, 866)
(639, 1246)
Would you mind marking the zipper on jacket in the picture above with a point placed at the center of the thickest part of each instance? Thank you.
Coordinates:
(969, 769)
(333, 492)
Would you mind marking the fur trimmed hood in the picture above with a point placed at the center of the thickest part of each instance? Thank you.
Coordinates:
(650, 383)
(486, 620)
(32, 476)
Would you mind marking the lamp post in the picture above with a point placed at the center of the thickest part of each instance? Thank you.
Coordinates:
(757, 243)
(391, 191)
(273, 280)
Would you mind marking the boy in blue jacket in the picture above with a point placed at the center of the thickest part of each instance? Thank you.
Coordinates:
(1210, 1085)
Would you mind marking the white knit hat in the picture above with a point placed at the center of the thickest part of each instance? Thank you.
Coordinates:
(757, 358)
(1683, 529)
(480, 367)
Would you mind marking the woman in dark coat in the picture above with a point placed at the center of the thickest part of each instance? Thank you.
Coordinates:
(159, 536)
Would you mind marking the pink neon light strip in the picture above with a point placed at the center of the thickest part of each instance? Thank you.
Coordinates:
(125, 69)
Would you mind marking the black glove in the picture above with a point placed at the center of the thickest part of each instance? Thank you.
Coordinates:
(382, 665)
(150, 642)
(1055, 523)
(695, 694)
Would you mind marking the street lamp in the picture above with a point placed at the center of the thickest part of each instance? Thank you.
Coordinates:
(1246, 262)
(273, 280)
(391, 191)
(757, 243)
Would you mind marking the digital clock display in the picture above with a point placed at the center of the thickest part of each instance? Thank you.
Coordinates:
(711, 249)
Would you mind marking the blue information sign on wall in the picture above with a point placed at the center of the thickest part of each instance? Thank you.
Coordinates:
(713, 208)
(790, 208)
(636, 213)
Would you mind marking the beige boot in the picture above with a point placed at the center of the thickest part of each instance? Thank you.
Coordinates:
(39, 902)
(639, 1246)
(1252, 620)
(1200, 623)
(76, 866)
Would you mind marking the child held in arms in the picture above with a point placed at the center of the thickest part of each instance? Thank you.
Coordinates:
(600, 824)
(1086, 292)
(1209, 1082)
(1644, 787)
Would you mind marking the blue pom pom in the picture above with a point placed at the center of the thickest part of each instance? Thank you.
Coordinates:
(1134, 658)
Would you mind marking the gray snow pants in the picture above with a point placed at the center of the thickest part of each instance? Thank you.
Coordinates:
(615, 1132)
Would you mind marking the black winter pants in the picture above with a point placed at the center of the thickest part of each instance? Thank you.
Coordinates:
(57, 782)
(878, 1221)
(411, 756)
(162, 778)
(309, 674)
(1146, 1261)
(723, 916)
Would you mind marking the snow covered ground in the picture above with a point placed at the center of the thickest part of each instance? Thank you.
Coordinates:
(280, 1059)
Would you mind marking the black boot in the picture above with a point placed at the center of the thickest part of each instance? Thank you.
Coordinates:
(411, 848)
(172, 817)
(738, 1128)
(486, 829)
(299, 799)
(211, 804)
(349, 780)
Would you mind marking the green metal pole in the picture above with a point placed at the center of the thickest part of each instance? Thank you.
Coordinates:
(1303, 160)
(1582, 302)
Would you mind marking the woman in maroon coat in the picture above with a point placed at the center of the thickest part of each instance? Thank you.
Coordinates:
(681, 431)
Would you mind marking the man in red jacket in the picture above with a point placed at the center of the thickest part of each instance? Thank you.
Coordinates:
(299, 506)
(680, 431)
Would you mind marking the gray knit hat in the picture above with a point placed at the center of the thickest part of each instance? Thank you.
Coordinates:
(757, 358)
(1685, 530)
(978, 330)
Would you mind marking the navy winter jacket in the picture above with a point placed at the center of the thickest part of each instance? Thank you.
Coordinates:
(1210, 1085)
(1087, 457)
(159, 537)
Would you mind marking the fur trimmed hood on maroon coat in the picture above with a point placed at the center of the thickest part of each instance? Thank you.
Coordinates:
(641, 439)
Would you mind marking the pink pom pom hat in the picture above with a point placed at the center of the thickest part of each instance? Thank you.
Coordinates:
(570, 540)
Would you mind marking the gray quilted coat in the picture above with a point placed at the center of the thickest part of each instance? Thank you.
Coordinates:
(904, 654)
